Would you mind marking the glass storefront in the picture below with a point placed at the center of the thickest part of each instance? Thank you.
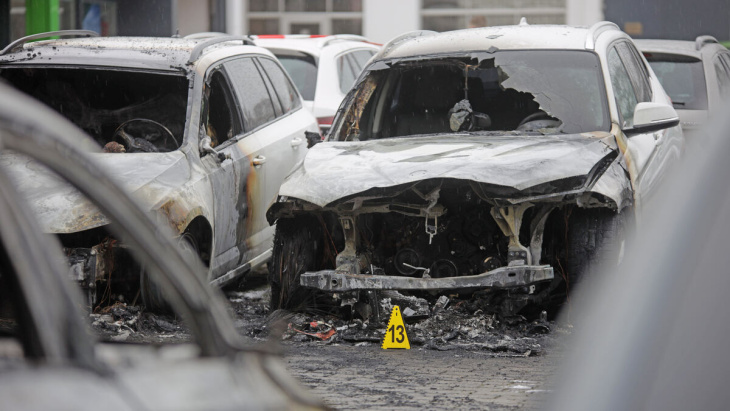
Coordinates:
(304, 16)
(96, 15)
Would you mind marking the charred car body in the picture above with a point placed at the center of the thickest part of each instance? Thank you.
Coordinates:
(503, 159)
(202, 131)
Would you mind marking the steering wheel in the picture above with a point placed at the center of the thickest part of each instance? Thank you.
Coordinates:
(538, 115)
(153, 136)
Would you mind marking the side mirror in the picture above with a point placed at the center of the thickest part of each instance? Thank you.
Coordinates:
(649, 117)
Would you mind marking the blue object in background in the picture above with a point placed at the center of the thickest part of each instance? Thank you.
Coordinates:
(92, 20)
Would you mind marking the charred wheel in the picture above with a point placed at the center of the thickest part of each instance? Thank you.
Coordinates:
(297, 246)
(595, 237)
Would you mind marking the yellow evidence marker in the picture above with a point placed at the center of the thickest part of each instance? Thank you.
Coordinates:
(395, 334)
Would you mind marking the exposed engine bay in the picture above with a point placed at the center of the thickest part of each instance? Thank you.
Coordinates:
(124, 111)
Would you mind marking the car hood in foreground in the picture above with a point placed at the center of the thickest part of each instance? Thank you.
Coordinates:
(61, 209)
(336, 170)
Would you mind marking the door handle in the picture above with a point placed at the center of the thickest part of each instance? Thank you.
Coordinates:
(258, 160)
(296, 141)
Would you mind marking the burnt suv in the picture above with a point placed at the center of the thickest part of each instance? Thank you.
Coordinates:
(503, 160)
(202, 131)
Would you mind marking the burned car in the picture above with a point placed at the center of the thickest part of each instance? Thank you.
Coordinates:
(48, 360)
(503, 160)
(203, 131)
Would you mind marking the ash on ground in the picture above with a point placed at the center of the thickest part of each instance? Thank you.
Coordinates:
(131, 323)
(444, 323)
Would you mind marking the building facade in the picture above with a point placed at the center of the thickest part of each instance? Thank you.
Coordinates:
(379, 20)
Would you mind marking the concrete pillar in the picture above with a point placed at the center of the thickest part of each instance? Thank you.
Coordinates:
(583, 12)
(235, 22)
(385, 19)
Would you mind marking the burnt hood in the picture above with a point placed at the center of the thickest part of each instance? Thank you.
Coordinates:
(335, 170)
(61, 209)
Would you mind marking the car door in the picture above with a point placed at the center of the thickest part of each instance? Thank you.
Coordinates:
(631, 86)
(232, 179)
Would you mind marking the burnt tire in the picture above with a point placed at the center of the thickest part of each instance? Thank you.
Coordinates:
(151, 294)
(296, 249)
(596, 238)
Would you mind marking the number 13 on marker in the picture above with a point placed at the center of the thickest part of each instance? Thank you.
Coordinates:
(395, 334)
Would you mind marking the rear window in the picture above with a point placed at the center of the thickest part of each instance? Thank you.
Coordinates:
(682, 77)
(303, 71)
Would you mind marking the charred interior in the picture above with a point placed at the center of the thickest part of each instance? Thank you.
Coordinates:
(544, 92)
(124, 111)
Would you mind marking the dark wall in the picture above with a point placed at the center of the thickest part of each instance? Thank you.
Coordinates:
(672, 19)
(145, 18)
(4, 23)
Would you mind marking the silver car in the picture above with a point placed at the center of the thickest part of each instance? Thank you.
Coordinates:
(202, 131)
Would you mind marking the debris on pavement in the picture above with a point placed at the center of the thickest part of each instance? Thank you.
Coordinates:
(440, 323)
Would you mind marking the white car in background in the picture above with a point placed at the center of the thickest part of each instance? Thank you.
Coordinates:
(695, 74)
(324, 68)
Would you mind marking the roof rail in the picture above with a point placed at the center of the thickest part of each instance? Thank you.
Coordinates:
(597, 29)
(350, 37)
(403, 37)
(702, 40)
(198, 49)
(61, 33)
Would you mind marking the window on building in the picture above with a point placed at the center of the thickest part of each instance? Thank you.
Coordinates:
(446, 15)
(346, 26)
(308, 6)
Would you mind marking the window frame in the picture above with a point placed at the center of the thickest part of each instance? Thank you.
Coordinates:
(236, 112)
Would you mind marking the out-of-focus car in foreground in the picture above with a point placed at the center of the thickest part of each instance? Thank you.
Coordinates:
(202, 130)
(47, 358)
(324, 68)
(695, 74)
(653, 333)
(504, 159)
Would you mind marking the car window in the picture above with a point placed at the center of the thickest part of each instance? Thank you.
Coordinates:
(253, 95)
(622, 88)
(637, 71)
(303, 71)
(361, 57)
(219, 117)
(723, 77)
(285, 91)
(682, 77)
(346, 73)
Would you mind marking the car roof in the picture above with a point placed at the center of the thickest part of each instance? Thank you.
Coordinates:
(517, 37)
(312, 44)
(681, 47)
(155, 53)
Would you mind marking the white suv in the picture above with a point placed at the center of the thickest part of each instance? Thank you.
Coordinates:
(324, 68)
(695, 74)
(202, 131)
(504, 159)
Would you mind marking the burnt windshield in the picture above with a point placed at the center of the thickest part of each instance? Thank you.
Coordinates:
(124, 111)
(541, 91)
